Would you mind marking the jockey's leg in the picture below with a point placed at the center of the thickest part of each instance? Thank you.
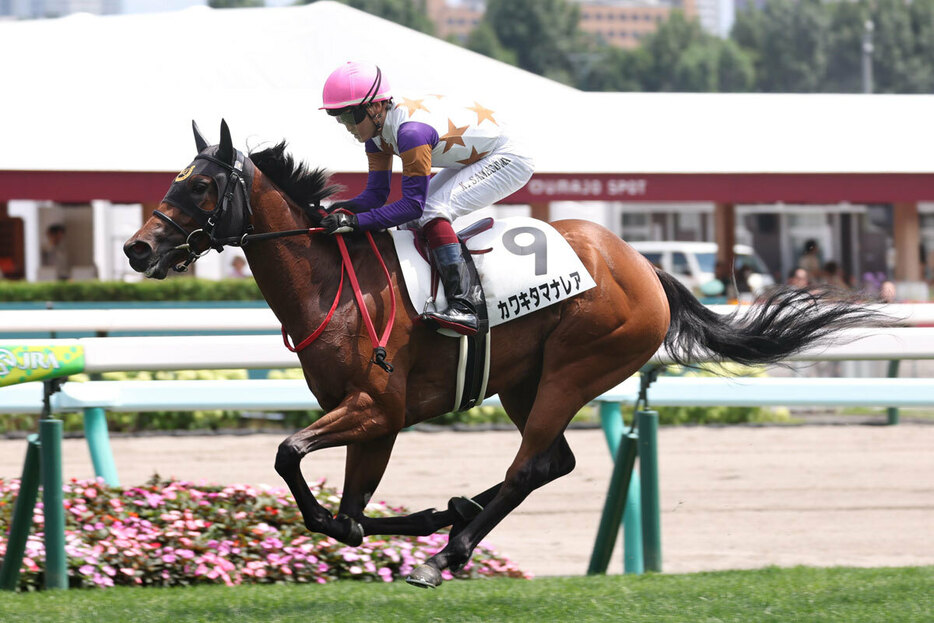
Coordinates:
(460, 280)
(456, 193)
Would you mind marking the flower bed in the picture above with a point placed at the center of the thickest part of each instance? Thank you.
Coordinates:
(174, 533)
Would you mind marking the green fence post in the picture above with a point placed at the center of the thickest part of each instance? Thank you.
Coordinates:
(612, 423)
(633, 557)
(892, 412)
(647, 422)
(95, 431)
(50, 451)
(613, 507)
(22, 517)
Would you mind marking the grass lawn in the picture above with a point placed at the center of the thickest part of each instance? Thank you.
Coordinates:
(847, 595)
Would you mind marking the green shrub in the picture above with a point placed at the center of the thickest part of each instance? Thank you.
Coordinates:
(179, 289)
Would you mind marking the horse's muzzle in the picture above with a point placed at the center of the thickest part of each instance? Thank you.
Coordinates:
(139, 253)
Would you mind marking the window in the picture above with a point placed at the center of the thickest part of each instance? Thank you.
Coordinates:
(679, 264)
(654, 258)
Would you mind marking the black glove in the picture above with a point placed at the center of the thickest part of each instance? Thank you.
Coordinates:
(340, 223)
(349, 206)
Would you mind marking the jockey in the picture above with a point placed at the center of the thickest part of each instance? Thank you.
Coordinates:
(479, 165)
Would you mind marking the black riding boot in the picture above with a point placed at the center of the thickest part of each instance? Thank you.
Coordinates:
(461, 288)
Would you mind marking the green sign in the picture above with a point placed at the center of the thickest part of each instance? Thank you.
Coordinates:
(22, 364)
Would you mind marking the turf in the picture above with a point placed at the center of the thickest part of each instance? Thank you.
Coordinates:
(772, 594)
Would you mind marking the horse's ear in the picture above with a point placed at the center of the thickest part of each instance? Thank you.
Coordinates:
(225, 153)
(200, 143)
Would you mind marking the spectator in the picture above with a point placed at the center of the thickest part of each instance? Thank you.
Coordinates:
(55, 253)
(810, 260)
(238, 268)
(833, 276)
(887, 292)
(798, 278)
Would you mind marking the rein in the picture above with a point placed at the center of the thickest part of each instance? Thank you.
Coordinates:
(379, 343)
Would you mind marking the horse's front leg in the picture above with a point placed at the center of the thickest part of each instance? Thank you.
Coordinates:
(354, 421)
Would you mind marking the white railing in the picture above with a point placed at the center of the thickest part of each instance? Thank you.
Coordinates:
(257, 319)
(199, 352)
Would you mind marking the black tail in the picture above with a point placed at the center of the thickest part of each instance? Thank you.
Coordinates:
(784, 322)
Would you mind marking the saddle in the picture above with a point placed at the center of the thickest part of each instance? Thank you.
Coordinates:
(473, 362)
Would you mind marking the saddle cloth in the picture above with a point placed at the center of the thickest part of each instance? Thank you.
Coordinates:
(529, 266)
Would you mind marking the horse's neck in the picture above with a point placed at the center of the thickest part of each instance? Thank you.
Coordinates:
(292, 272)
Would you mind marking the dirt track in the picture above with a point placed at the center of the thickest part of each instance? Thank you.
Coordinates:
(734, 497)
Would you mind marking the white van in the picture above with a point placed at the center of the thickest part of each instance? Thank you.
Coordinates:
(693, 263)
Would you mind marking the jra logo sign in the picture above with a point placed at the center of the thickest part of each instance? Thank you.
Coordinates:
(22, 364)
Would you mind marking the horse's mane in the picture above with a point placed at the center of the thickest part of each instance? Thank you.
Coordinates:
(305, 186)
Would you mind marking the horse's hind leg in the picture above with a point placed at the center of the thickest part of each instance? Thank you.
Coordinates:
(571, 379)
(524, 476)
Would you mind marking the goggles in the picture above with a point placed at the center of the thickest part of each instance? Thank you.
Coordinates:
(350, 116)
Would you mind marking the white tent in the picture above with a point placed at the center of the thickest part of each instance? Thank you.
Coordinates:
(117, 93)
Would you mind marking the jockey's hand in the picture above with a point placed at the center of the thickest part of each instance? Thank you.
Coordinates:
(340, 223)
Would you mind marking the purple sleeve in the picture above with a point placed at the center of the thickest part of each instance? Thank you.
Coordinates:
(377, 184)
(415, 141)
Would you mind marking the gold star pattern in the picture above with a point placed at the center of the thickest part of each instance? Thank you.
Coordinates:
(411, 105)
(482, 113)
(473, 157)
(453, 137)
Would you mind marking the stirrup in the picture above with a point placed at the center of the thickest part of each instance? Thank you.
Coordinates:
(439, 320)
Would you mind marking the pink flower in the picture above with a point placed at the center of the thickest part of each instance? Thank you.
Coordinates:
(168, 558)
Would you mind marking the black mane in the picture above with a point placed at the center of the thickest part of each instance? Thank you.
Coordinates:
(303, 185)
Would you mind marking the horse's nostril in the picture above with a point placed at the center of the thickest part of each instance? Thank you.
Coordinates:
(138, 250)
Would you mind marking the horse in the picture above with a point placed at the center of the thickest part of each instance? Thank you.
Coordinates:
(544, 366)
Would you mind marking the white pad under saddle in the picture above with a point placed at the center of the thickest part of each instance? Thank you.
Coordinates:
(530, 267)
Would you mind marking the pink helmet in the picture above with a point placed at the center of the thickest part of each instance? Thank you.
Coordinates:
(355, 84)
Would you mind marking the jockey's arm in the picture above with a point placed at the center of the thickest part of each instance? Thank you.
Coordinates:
(415, 141)
(377, 181)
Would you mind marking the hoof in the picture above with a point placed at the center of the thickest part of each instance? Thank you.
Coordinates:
(355, 535)
(424, 576)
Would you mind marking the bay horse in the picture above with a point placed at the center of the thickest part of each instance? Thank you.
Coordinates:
(545, 366)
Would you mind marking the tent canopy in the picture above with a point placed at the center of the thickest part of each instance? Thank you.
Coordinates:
(104, 103)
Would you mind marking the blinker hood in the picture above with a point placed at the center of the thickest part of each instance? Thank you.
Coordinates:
(231, 215)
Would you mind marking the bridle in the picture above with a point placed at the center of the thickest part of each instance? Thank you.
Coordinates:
(232, 212)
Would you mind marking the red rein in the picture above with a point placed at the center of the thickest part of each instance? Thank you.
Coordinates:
(379, 343)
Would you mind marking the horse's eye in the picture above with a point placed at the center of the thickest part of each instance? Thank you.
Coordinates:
(199, 187)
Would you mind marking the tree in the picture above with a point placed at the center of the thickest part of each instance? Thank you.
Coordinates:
(894, 62)
(408, 13)
(483, 40)
(235, 4)
(679, 56)
(541, 33)
(793, 54)
(844, 47)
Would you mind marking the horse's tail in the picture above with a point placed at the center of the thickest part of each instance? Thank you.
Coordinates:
(784, 322)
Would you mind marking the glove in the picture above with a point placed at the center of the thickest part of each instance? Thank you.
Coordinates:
(340, 223)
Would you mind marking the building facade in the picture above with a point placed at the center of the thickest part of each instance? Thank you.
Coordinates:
(32, 9)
